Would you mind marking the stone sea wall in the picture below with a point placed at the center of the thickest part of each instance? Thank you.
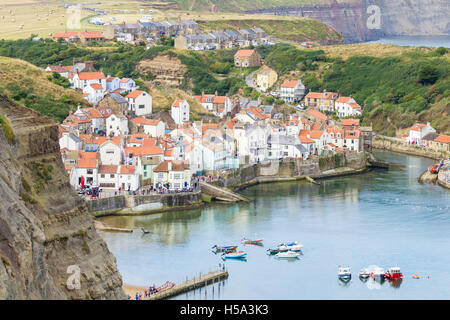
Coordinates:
(392, 145)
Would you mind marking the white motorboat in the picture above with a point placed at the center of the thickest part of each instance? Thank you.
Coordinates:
(344, 273)
(364, 273)
(287, 254)
(378, 273)
(293, 246)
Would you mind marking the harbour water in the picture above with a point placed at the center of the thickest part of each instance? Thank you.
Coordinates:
(417, 41)
(380, 218)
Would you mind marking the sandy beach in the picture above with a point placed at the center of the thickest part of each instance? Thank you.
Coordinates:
(131, 290)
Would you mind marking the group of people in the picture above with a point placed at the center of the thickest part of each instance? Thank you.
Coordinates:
(152, 290)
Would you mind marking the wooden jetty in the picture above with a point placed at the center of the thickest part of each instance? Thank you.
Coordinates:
(197, 282)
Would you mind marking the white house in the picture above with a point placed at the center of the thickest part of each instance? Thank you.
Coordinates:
(173, 174)
(292, 90)
(112, 83)
(70, 141)
(154, 128)
(128, 178)
(84, 79)
(110, 153)
(127, 84)
(116, 125)
(418, 131)
(139, 103)
(347, 107)
(94, 93)
(193, 155)
(180, 111)
(96, 117)
(279, 147)
(108, 177)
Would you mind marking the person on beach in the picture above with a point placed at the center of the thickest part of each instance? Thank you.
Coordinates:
(137, 296)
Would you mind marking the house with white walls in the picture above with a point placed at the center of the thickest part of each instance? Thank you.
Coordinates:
(139, 103)
(172, 174)
(83, 79)
(154, 128)
(347, 107)
(112, 83)
(70, 142)
(180, 111)
(418, 131)
(127, 84)
(94, 93)
(128, 178)
(280, 147)
(110, 153)
(116, 125)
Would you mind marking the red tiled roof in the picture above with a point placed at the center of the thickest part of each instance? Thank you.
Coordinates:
(305, 139)
(92, 35)
(134, 94)
(177, 103)
(289, 84)
(127, 169)
(66, 34)
(244, 53)
(350, 122)
(96, 86)
(443, 139)
(316, 134)
(176, 166)
(317, 114)
(220, 100)
(107, 169)
(91, 75)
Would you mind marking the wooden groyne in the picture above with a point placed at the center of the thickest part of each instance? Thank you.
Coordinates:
(197, 282)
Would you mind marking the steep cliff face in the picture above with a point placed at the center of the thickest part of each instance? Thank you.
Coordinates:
(364, 20)
(44, 226)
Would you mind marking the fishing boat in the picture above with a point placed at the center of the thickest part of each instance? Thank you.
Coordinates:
(288, 254)
(235, 255)
(364, 273)
(378, 273)
(249, 241)
(344, 273)
(393, 273)
(224, 248)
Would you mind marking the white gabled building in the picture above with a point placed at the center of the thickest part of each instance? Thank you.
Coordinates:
(418, 131)
(139, 103)
(116, 125)
(154, 128)
(180, 111)
(279, 147)
(292, 90)
(112, 83)
(128, 178)
(110, 153)
(83, 79)
(70, 142)
(127, 84)
(94, 93)
(347, 107)
(173, 174)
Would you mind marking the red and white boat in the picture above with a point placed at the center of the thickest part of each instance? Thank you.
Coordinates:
(393, 273)
(248, 241)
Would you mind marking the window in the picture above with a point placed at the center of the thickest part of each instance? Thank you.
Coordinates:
(111, 176)
(102, 175)
(141, 106)
(90, 171)
(160, 175)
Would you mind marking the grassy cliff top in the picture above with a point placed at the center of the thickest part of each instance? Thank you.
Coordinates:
(29, 85)
(292, 29)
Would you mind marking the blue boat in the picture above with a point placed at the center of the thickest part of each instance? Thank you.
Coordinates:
(235, 255)
(224, 248)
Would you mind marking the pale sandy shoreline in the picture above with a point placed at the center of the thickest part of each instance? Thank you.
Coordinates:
(131, 290)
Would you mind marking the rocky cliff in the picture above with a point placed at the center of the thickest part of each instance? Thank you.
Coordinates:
(365, 20)
(46, 234)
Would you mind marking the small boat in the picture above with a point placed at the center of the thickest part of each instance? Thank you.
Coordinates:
(364, 273)
(378, 273)
(416, 276)
(277, 250)
(344, 273)
(235, 255)
(288, 254)
(393, 273)
(248, 241)
(292, 246)
(224, 248)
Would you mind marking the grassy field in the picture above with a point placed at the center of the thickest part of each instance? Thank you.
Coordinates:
(22, 18)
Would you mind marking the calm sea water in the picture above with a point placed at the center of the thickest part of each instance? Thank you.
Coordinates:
(381, 218)
(418, 41)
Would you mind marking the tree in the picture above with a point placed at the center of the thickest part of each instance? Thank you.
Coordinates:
(428, 74)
